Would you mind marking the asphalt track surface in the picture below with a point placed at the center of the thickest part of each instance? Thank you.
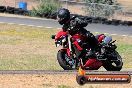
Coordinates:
(101, 28)
(60, 72)
(110, 29)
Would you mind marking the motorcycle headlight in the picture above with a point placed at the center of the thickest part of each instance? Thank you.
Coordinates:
(58, 43)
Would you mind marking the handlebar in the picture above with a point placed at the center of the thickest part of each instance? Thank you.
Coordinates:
(113, 41)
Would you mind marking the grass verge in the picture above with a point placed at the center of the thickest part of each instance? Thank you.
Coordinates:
(31, 48)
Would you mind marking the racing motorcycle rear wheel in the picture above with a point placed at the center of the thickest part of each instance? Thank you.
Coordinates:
(113, 65)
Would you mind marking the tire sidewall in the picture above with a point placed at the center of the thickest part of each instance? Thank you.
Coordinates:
(109, 67)
(60, 58)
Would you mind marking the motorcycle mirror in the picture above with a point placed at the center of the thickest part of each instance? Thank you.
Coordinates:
(53, 36)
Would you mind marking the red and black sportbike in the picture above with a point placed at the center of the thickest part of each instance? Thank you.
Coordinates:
(69, 56)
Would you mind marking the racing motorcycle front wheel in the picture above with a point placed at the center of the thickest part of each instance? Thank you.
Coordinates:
(113, 65)
(61, 57)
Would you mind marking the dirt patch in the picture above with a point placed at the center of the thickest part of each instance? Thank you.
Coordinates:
(50, 81)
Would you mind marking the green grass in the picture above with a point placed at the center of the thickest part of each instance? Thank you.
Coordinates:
(125, 51)
(27, 48)
(47, 85)
(31, 48)
(63, 86)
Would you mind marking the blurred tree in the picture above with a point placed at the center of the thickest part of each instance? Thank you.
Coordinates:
(46, 6)
(101, 8)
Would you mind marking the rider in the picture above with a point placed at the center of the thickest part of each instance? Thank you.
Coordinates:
(76, 25)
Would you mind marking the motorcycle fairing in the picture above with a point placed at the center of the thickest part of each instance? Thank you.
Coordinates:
(77, 45)
(60, 34)
(93, 63)
(100, 37)
(76, 36)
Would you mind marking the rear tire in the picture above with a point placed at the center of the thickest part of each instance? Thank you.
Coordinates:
(10, 10)
(109, 67)
(61, 59)
(2, 9)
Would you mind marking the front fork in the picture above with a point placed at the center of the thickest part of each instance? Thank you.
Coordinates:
(80, 63)
(70, 52)
(69, 42)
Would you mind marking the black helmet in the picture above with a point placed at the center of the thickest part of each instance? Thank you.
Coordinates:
(63, 16)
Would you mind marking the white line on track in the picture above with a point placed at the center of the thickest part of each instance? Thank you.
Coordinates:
(113, 34)
(106, 33)
(96, 32)
(124, 35)
(22, 24)
(31, 25)
(40, 26)
(11, 23)
(57, 28)
(49, 27)
(2, 22)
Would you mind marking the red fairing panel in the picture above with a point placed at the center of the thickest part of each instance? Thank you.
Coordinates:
(77, 45)
(59, 34)
(101, 37)
(77, 36)
(93, 63)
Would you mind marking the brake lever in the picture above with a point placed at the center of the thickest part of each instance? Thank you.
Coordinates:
(113, 41)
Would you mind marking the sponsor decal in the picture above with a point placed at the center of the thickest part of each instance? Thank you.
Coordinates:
(83, 78)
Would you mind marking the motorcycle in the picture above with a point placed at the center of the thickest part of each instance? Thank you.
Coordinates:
(71, 58)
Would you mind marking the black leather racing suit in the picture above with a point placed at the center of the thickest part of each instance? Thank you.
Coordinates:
(76, 25)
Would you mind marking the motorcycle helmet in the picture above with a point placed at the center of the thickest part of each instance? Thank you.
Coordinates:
(63, 16)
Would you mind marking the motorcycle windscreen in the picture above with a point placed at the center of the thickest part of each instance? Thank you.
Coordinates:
(107, 39)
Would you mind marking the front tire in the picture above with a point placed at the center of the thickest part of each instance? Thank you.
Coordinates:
(110, 67)
(61, 59)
